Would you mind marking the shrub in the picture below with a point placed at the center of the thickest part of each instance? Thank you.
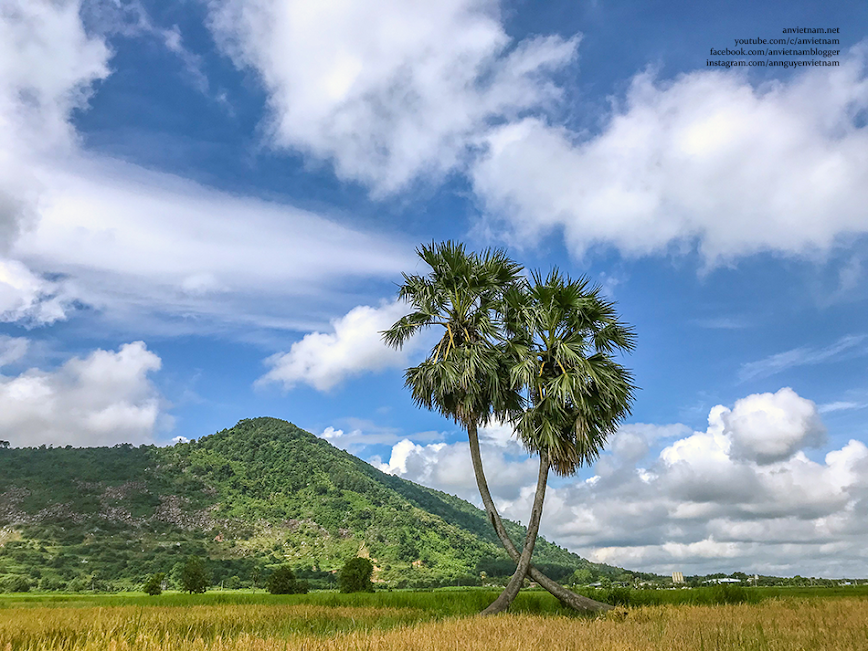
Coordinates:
(154, 585)
(356, 576)
(78, 584)
(51, 583)
(16, 583)
(281, 581)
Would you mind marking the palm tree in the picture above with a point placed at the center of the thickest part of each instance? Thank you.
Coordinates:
(466, 377)
(562, 338)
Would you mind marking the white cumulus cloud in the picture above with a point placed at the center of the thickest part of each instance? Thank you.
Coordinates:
(770, 427)
(447, 467)
(48, 65)
(707, 159)
(387, 90)
(325, 359)
(102, 399)
(740, 495)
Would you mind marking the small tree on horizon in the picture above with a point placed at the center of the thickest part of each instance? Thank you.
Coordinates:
(581, 576)
(355, 576)
(154, 584)
(194, 577)
(282, 581)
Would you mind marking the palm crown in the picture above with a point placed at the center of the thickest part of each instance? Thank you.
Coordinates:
(465, 377)
(561, 339)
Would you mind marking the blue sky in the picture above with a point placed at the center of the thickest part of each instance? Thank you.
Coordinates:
(205, 208)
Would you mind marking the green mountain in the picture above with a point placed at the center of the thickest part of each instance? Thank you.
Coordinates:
(246, 499)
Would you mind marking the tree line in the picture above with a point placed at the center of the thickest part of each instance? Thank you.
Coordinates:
(355, 576)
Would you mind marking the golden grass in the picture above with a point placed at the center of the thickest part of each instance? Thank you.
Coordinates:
(775, 625)
(177, 627)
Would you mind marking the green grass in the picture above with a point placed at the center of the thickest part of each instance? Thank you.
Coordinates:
(839, 591)
(715, 595)
(439, 603)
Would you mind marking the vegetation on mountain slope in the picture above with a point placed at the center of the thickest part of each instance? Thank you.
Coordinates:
(246, 500)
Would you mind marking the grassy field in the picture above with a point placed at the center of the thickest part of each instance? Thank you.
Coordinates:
(438, 602)
(424, 621)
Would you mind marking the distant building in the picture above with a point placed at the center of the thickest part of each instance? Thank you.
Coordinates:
(677, 577)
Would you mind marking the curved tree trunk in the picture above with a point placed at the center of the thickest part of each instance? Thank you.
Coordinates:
(505, 598)
(566, 597)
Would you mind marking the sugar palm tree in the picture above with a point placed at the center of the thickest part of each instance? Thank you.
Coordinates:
(466, 377)
(562, 339)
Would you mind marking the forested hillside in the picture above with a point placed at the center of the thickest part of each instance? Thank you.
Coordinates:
(246, 499)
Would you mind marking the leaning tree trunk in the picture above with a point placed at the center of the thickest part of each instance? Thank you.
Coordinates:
(505, 598)
(566, 597)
